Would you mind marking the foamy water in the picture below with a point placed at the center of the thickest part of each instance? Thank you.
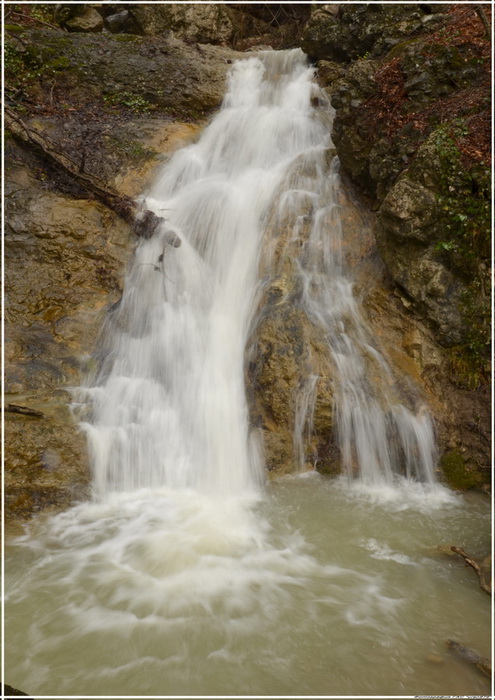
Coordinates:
(306, 591)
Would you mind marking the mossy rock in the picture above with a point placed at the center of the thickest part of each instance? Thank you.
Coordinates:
(133, 38)
(458, 473)
(14, 29)
(361, 30)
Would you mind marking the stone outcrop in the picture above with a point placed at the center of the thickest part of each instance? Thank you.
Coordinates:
(88, 20)
(238, 25)
(404, 150)
(204, 23)
(165, 75)
(287, 351)
(349, 32)
(412, 132)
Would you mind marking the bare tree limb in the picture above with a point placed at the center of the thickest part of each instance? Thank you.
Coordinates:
(144, 223)
(482, 15)
(121, 204)
(473, 657)
(35, 19)
(486, 587)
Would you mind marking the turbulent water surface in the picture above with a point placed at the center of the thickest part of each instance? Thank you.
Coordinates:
(314, 590)
(186, 574)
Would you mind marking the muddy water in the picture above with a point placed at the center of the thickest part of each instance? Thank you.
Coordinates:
(319, 588)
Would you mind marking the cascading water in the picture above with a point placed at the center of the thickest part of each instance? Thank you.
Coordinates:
(379, 436)
(169, 407)
(184, 576)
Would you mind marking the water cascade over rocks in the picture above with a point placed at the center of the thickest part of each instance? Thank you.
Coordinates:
(169, 405)
(184, 575)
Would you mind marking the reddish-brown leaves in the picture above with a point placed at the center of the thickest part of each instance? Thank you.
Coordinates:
(390, 109)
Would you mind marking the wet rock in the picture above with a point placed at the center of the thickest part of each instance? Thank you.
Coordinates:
(129, 71)
(407, 230)
(458, 473)
(352, 142)
(289, 350)
(289, 369)
(328, 73)
(412, 172)
(462, 417)
(59, 263)
(65, 260)
(205, 23)
(46, 467)
(87, 20)
(121, 21)
(275, 14)
(359, 30)
(147, 224)
(412, 211)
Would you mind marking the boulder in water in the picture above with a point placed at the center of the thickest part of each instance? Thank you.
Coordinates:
(147, 224)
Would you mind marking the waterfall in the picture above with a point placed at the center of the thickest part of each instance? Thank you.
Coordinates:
(182, 575)
(378, 435)
(168, 403)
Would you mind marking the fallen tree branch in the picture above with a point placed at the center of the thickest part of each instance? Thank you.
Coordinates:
(473, 657)
(486, 587)
(30, 18)
(484, 19)
(121, 204)
(144, 224)
(24, 410)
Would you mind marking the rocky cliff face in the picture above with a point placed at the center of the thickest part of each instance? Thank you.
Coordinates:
(407, 120)
(120, 87)
(410, 88)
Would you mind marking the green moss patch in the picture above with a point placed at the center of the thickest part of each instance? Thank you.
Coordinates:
(458, 473)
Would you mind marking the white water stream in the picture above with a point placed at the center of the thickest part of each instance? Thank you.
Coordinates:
(187, 576)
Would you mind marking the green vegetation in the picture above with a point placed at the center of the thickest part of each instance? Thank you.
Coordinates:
(464, 198)
(465, 201)
(127, 38)
(130, 149)
(27, 66)
(136, 103)
(457, 473)
(28, 14)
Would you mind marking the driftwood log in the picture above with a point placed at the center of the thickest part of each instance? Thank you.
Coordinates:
(486, 587)
(23, 410)
(471, 656)
(144, 223)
